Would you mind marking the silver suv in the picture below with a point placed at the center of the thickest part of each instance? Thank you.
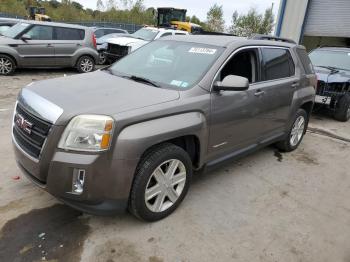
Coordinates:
(46, 44)
(131, 135)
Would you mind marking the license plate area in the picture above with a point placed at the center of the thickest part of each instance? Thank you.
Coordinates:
(326, 100)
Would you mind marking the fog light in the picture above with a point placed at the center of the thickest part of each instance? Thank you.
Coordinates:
(78, 181)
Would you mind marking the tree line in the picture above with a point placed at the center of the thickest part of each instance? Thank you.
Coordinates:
(135, 11)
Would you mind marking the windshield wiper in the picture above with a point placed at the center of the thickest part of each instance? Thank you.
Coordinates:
(144, 80)
(331, 68)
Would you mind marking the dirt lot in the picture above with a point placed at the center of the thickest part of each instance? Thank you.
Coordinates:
(266, 207)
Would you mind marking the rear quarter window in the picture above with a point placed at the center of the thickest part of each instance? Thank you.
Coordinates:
(278, 63)
(62, 33)
(305, 61)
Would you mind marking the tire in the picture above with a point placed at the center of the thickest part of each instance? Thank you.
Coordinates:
(342, 112)
(102, 59)
(296, 132)
(86, 64)
(7, 65)
(161, 201)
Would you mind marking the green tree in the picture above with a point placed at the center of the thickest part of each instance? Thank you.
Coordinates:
(252, 23)
(215, 19)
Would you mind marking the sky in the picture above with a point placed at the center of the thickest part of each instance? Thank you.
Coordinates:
(200, 8)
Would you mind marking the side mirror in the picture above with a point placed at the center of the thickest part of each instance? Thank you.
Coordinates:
(232, 83)
(26, 37)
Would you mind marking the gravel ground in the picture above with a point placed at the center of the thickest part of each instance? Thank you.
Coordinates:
(265, 207)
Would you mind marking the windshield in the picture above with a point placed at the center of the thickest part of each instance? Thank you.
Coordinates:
(16, 30)
(336, 59)
(169, 64)
(145, 34)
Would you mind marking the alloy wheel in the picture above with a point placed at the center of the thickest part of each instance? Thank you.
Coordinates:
(165, 185)
(86, 65)
(297, 131)
(5, 66)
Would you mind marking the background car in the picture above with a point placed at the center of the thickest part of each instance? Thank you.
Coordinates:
(332, 65)
(45, 44)
(102, 31)
(121, 46)
(102, 44)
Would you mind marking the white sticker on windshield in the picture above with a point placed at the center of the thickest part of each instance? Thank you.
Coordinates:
(176, 83)
(202, 50)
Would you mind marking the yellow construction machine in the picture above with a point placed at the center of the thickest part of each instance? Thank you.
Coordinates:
(175, 18)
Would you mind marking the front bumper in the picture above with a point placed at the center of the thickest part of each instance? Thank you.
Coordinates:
(106, 187)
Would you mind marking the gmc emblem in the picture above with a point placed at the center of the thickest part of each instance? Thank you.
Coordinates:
(23, 124)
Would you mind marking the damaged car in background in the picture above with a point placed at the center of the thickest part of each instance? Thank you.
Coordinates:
(332, 66)
(117, 48)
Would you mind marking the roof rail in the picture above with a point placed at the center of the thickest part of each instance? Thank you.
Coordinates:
(272, 38)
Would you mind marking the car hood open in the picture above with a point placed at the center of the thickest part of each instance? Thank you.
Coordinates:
(327, 76)
(99, 93)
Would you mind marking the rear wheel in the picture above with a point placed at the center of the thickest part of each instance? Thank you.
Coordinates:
(7, 65)
(161, 182)
(296, 132)
(86, 64)
(342, 112)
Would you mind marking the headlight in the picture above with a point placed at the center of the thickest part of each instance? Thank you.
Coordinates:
(90, 133)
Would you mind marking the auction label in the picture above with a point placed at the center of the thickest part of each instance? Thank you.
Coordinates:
(201, 50)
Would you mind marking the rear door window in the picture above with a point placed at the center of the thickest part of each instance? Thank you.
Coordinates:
(40, 32)
(277, 63)
(62, 33)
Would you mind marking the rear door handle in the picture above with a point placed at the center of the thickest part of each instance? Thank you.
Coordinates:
(259, 93)
(49, 45)
(295, 84)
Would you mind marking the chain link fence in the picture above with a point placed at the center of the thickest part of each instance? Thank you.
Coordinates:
(131, 28)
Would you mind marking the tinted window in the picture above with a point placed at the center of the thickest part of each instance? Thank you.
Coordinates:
(39, 32)
(180, 34)
(278, 63)
(305, 60)
(69, 34)
(166, 34)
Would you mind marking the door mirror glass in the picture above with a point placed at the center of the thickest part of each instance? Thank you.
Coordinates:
(232, 83)
(26, 37)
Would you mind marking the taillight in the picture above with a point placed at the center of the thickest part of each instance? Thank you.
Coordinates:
(94, 40)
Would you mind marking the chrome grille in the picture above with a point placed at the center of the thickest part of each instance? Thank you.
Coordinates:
(29, 131)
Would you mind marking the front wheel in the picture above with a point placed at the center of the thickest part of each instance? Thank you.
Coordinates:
(86, 64)
(7, 65)
(161, 182)
(342, 112)
(296, 132)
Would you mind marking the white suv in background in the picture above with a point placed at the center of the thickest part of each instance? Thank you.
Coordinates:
(119, 47)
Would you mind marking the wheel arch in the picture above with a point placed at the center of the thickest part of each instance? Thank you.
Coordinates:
(11, 56)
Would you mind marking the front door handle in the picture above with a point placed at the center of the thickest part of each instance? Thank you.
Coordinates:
(49, 45)
(259, 93)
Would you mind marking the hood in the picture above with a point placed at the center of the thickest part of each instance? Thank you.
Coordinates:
(126, 41)
(99, 93)
(326, 75)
